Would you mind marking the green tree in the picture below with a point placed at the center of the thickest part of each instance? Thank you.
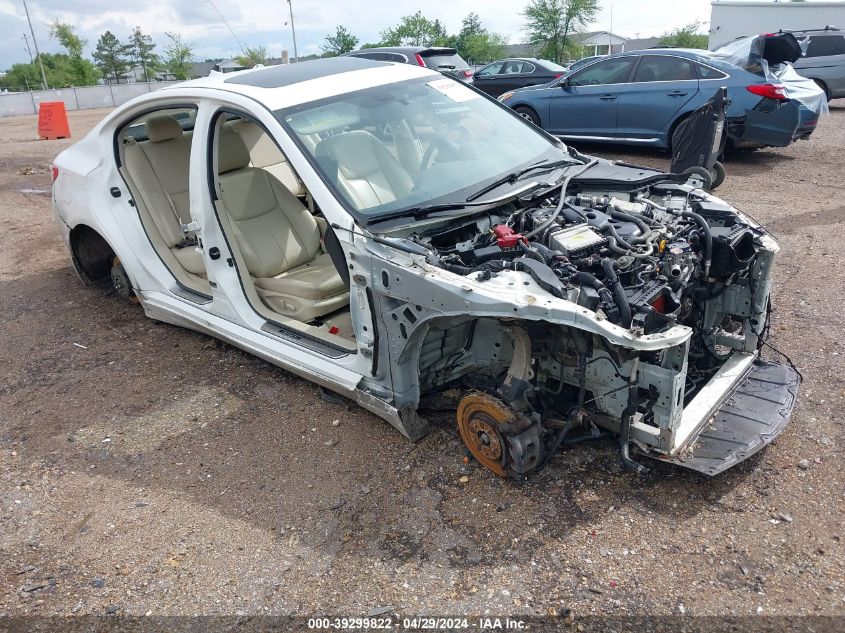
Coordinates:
(142, 51)
(82, 71)
(341, 42)
(251, 57)
(178, 56)
(550, 23)
(480, 48)
(415, 30)
(685, 37)
(111, 56)
(470, 26)
(475, 44)
(58, 68)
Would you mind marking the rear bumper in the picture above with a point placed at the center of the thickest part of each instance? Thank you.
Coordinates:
(742, 409)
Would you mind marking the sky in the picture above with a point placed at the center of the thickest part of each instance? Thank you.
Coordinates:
(266, 23)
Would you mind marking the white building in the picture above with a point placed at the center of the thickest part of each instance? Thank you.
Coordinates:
(730, 19)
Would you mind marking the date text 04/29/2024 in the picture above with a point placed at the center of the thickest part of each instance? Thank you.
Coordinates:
(416, 624)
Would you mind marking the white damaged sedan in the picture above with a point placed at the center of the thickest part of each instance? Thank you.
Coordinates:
(402, 240)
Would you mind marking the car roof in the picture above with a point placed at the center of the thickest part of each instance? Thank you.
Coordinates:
(290, 84)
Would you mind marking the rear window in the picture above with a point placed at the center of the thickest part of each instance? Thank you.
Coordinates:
(824, 45)
(654, 68)
(706, 72)
(555, 68)
(448, 61)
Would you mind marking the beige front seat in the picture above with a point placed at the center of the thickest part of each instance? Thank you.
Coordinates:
(159, 168)
(278, 238)
(264, 153)
(366, 170)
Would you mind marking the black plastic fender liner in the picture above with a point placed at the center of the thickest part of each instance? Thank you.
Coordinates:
(755, 412)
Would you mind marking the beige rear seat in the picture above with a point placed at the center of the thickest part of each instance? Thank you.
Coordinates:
(159, 169)
(277, 236)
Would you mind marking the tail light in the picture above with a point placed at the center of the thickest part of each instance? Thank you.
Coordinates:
(419, 58)
(467, 73)
(55, 172)
(558, 75)
(770, 91)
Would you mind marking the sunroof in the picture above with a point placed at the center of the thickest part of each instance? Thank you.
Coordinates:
(289, 74)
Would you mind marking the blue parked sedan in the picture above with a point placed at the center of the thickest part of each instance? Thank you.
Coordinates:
(639, 97)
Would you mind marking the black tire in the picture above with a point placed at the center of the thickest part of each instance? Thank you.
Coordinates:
(823, 86)
(673, 138)
(527, 113)
(702, 173)
(718, 175)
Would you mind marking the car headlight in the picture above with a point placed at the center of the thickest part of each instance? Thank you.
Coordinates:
(506, 96)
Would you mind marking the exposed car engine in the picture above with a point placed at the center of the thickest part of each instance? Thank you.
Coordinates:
(645, 259)
(646, 256)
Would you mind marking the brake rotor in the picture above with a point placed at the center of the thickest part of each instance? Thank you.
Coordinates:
(479, 420)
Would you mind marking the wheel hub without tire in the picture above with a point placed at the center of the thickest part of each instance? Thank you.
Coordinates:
(120, 280)
(479, 419)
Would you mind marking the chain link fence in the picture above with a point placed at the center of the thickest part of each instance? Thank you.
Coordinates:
(83, 98)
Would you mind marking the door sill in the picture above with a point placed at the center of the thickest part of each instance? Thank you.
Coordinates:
(190, 295)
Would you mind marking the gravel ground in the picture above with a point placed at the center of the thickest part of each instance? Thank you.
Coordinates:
(148, 469)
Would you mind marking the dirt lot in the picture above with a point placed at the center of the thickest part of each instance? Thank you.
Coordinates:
(145, 468)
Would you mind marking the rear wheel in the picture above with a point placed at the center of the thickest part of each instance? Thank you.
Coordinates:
(120, 283)
(527, 113)
(823, 86)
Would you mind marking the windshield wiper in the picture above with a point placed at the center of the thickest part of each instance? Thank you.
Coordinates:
(422, 211)
(515, 175)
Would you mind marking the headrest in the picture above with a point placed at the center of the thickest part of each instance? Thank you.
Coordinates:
(262, 150)
(232, 153)
(162, 128)
(355, 152)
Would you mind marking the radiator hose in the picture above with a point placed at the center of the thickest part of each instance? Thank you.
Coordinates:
(615, 286)
(708, 239)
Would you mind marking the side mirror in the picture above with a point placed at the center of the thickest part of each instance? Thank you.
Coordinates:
(564, 83)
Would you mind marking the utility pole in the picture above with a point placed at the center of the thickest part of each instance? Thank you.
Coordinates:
(35, 43)
(26, 39)
(293, 31)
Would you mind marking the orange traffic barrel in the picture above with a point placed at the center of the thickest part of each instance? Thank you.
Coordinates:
(52, 120)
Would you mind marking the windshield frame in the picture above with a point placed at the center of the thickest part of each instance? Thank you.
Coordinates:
(457, 196)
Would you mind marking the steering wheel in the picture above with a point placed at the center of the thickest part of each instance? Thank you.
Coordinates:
(440, 143)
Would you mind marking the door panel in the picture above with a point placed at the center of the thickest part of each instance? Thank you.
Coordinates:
(586, 103)
(661, 86)
(487, 79)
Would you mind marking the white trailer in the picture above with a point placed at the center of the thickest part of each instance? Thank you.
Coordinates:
(730, 19)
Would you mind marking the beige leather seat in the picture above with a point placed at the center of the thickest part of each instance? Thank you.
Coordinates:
(159, 169)
(264, 153)
(277, 236)
(408, 147)
(366, 170)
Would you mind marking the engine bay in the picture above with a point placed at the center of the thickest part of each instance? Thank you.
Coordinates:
(645, 259)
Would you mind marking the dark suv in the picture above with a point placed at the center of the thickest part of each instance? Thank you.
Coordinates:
(824, 61)
(445, 60)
